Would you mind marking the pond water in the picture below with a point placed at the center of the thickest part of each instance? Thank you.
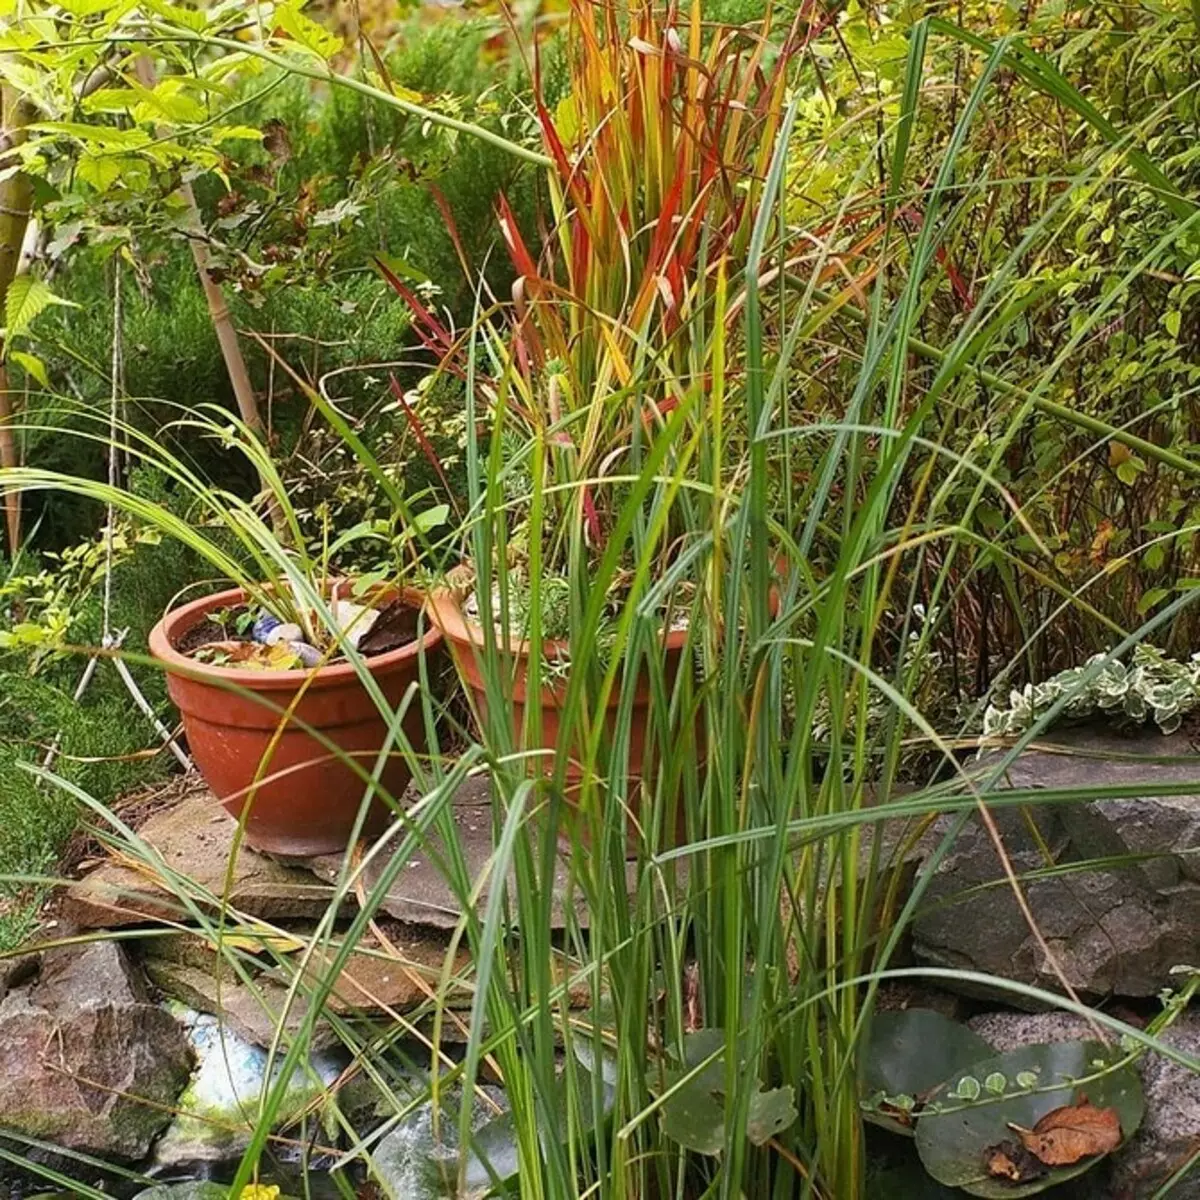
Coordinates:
(183, 1183)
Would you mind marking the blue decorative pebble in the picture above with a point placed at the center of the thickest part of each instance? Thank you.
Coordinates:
(310, 656)
(263, 626)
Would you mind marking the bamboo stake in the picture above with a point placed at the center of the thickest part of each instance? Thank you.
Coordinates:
(16, 201)
(218, 308)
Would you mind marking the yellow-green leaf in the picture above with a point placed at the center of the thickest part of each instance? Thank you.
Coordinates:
(256, 944)
(1130, 469)
(109, 100)
(27, 297)
(1173, 319)
(101, 171)
(176, 13)
(23, 77)
(169, 99)
(236, 133)
(1150, 599)
(104, 136)
(32, 366)
(91, 8)
(305, 32)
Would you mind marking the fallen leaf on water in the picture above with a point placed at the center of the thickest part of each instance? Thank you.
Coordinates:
(902, 1116)
(1011, 1161)
(1074, 1131)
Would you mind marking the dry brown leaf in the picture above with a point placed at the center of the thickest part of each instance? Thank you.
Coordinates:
(1011, 1161)
(1074, 1131)
(902, 1116)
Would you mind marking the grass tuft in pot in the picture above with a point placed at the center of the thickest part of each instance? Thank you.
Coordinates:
(296, 685)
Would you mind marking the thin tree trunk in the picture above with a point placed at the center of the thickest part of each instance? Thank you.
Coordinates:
(16, 200)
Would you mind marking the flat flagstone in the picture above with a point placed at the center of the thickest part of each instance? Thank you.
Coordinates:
(420, 895)
(195, 839)
(378, 979)
(250, 1014)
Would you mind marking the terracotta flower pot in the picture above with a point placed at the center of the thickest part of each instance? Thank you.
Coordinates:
(309, 798)
(465, 638)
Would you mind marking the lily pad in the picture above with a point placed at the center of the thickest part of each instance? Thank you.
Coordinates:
(955, 1134)
(694, 1114)
(909, 1054)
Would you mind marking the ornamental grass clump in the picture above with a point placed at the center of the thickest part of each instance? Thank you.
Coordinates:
(657, 157)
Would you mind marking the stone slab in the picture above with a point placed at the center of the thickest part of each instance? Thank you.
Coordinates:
(196, 840)
(379, 978)
(251, 1014)
(1117, 930)
(396, 974)
(420, 895)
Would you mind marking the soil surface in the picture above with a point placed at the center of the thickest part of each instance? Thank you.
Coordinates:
(209, 631)
(395, 626)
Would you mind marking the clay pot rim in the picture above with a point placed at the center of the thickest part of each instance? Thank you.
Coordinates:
(177, 620)
(446, 610)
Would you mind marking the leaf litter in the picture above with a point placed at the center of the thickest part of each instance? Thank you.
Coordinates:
(1063, 1137)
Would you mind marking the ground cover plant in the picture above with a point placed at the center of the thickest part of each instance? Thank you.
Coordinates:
(821, 332)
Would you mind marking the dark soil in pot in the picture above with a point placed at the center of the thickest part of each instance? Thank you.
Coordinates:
(396, 626)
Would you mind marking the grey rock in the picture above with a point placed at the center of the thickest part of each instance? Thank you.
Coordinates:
(1007, 1031)
(86, 1062)
(216, 1112)
(899, 994)
(1170, 1132)
(71, 978)
(1114, 931)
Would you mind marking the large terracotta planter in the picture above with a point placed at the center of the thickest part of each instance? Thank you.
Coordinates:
(309, 799)
(465, 638)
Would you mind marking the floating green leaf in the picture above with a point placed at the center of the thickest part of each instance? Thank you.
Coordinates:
(908, 1054)
(770, 1113)
(694, 1112)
